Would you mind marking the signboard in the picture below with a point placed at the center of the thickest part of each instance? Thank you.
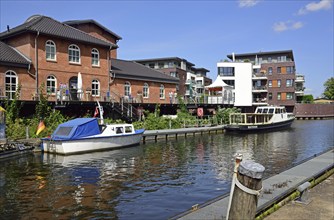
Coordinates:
(200, 112)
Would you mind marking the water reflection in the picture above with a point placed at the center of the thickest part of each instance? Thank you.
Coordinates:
(152, 181)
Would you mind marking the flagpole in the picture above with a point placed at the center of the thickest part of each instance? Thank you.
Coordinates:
(101, 112)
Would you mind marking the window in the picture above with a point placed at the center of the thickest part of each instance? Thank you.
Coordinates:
(289, 95)
(73, 54)
(174, 74)
(270, 83)
(281, 59)
(270, 70)
(50, 50)
(270, 96)
(161, 65)
(279, 70)
(162, 92)
(127, 89)
(11, 84)
(95, 88)
(289, 82)
(226, 71)
(95, 57)
(151, 65)
(278, 83)
(51, 83)
(278, 96)
(146, 91)
(290, 69)
(269, 59)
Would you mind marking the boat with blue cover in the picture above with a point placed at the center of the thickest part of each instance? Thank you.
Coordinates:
(86, 135)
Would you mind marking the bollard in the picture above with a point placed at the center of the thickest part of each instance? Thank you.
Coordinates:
(304, 193)
(245, 196)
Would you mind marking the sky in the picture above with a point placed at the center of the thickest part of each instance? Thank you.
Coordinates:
(203, 32)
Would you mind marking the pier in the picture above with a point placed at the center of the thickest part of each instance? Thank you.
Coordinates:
(275, 188)
(168, 133)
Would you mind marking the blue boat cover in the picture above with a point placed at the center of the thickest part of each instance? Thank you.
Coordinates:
(76, 129)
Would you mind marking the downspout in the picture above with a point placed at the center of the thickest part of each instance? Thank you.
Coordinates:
(109, 68)
(36, 65)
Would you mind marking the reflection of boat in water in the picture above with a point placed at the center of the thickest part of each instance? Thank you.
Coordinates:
(85, 135)
(264, 118)
(103, 157)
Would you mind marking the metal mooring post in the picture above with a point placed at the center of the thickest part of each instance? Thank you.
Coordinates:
(248, 186)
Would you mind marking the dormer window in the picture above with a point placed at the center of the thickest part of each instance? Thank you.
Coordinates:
(74, 54)
(50, 50)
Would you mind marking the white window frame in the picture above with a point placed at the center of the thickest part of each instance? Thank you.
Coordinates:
(162, 92)
(50, 50)
(95, 88)
(11, 84)
(51, 84)
(74, 54)
(289, 83)
(95, 57)
(127, 88)
(146, 90)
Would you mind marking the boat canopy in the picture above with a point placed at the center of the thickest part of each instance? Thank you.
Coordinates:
(76, 128)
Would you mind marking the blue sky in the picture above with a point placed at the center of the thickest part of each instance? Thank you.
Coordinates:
(204, 32)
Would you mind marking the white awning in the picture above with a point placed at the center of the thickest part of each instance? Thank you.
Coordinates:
(218, 83)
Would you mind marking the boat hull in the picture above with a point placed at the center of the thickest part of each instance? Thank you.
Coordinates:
(259, 127)
(83, 145)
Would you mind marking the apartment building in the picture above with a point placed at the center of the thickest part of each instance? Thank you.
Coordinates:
(191, 80)
(73, 60)
(263, 78)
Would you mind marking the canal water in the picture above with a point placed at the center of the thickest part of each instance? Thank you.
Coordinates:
(151, 181)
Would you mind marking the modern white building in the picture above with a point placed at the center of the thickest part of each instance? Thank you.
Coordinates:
(239, 76)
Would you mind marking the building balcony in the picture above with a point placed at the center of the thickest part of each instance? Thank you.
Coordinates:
(260, 89)
(190, 82)
(258, 76)
(259, 101)
(300, 78)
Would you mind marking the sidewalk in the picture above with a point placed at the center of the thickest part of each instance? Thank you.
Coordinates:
(321, 206)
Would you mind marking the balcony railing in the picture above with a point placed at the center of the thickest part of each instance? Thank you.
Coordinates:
(300, 78)
(260, 88)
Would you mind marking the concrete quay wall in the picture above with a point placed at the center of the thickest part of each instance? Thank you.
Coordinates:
(275, 188)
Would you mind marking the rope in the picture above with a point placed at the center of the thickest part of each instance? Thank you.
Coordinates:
(246, 189)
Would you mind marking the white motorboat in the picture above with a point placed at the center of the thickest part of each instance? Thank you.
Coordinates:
(86, 135)
(264, 118)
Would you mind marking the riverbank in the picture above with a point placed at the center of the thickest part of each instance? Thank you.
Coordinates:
(275, 188)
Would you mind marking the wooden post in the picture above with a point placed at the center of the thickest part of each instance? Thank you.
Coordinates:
(245, 195)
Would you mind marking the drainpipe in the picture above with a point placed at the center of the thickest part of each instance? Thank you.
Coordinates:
(36, 65)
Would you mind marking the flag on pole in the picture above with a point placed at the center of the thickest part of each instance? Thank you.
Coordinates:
(96, 112)
(41, 127)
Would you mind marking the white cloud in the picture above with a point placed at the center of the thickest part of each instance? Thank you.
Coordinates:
(316, 6)
(287, 25)
(247, 3)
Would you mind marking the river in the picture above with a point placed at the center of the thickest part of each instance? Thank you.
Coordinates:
(151, 181)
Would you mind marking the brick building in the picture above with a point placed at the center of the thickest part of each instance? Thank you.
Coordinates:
(191, 80)
(72, 60)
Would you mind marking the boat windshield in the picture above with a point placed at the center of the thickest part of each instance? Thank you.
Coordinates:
(271, 110)
(265, 110)
(259, 110)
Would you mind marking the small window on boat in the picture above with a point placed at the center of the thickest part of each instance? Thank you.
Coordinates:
(277, 111)
(128, 129)
(119, 130)
(64, 131)
(265, 110)
(259, 110)
(271, 110)
(283, 110)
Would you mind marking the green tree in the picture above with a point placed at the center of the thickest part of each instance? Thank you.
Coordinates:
(329, 89)
(308, 99)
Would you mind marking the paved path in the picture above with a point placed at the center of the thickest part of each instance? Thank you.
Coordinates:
(275, 187)
(320, 206)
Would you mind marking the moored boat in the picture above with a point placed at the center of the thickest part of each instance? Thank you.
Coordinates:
(264, 118)
(86, 135)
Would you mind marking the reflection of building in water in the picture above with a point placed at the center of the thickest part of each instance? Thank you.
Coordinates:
(2, 126)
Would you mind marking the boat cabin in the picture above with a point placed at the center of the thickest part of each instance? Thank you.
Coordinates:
(117, 129)
(270, 110)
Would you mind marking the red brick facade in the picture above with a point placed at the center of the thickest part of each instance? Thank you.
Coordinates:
(63, 71)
